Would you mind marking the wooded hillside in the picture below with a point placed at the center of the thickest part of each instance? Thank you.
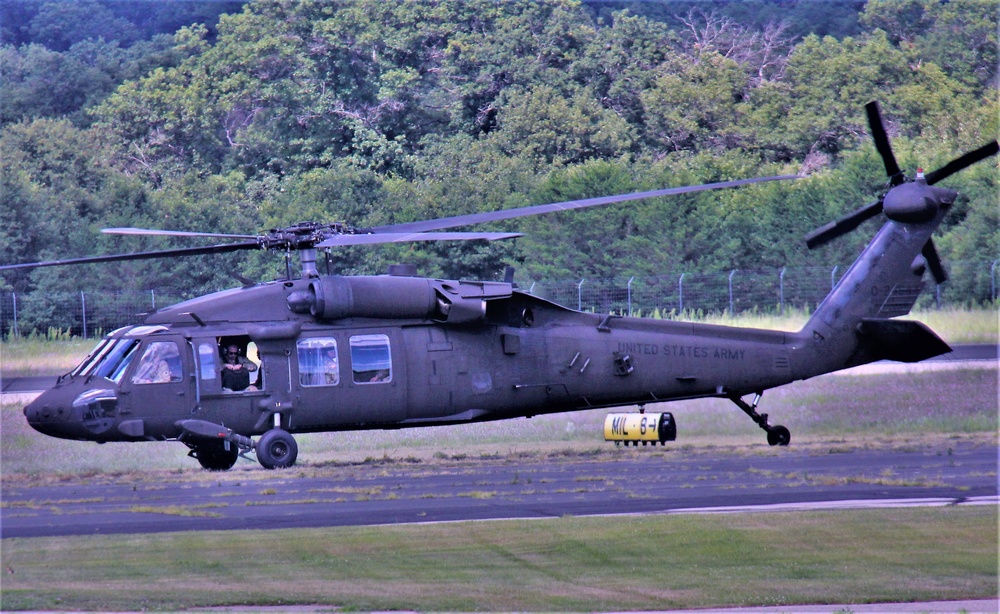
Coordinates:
(233, 118)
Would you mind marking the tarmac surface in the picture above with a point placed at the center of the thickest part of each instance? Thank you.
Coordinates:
(618, 481)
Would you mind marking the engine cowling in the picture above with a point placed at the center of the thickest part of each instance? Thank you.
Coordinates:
(396, 297)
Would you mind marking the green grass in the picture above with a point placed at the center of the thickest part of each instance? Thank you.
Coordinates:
(564, 564)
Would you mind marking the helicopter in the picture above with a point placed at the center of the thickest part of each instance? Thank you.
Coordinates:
(392, 351)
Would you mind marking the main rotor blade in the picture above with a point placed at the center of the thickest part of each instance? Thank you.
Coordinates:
(508, 214)
(990, 149)
(403, 237)
(187, 251)
(930, 254)
(882, 143)
(172, 233)
(844, 225)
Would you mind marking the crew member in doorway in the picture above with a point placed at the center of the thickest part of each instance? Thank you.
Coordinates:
(236, 369)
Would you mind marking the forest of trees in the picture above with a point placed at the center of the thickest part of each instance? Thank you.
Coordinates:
(234, 118)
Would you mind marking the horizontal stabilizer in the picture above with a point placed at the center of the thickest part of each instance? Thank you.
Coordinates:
(901, 340)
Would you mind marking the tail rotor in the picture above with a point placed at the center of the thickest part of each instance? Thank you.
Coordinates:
(907, 200)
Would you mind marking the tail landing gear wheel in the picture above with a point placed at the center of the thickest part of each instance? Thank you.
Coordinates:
(778, 436)
(214, 456)
(276, 449)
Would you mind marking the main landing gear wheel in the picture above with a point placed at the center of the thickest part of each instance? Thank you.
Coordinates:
(215, 457)
(778, 436)
(276, 449)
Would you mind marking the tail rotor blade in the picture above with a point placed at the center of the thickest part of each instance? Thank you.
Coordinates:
(930, 254)
(844, 225)
(882, 143)
(961, 162)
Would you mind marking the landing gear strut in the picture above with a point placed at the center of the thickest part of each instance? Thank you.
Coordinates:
(777, 435)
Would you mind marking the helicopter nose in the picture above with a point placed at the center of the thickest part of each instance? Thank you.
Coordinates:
(50, 417)
(57, 413)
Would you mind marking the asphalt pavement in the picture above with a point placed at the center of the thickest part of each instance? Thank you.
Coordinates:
(618, 481)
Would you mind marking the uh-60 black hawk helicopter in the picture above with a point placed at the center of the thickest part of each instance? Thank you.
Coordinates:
(394, 351)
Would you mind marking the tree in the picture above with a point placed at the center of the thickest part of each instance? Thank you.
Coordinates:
(39, 82)
(544, 126)
(694, 105)
(959, 36)
(60, 25)
(828, 82)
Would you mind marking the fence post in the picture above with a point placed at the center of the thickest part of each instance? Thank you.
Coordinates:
(732, 310)
(833, 277)
(630, 280)
(781, 290)
(579, 295)
(993, 280)
(152, 298)
(83, 309)
(680, 294)
(17, 332)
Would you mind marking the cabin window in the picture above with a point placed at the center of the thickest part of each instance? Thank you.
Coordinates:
(371, 360)
(206, 360)
(160, 363)
(318, 362)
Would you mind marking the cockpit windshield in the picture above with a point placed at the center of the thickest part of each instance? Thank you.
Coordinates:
(113, 355)
(93, 358)
(115, 360)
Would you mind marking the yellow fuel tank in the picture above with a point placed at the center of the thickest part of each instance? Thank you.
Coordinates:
(633, 427)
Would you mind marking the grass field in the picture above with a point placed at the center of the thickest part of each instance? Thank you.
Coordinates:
(565, 564)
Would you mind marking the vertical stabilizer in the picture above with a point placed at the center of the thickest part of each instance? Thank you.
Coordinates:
(852, 326)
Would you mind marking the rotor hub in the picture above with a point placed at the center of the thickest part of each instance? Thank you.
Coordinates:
(916, 202)
(304, 235)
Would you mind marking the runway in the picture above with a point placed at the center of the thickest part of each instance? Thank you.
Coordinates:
(618, 481)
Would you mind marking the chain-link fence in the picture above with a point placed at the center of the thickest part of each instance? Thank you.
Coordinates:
(84, 314)
(96, 312)
(739, 290)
